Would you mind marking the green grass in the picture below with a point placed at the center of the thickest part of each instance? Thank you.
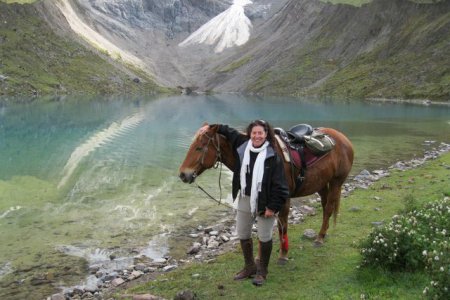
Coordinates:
(236, 65)
(36, 61)
(329, 272)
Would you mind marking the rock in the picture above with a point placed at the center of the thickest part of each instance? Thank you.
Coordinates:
(364, 173)
(87, 295)
(117, 282)
(308, 210)
(140, 267)
(145, 297)
(212, 244)
(194, 249)
(58, 297)
(208, 229)
(111, 276)
(135, 274)
(377, 223)
(309, 234)
(169, 268)
(160, 260)
(185, 295)
(355, 209)
(224, 238)
(214, 233)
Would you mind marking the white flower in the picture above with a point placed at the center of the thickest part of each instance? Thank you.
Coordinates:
(442, 269)
(436, 258)
(424, 253)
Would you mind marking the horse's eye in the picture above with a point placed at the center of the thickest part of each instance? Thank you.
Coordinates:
(199, 149)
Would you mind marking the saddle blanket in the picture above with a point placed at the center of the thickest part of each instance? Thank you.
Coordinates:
(292, 154)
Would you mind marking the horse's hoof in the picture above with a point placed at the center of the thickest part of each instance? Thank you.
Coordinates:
(282, 261)
(318, 244)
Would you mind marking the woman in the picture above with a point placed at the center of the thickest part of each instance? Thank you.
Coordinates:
(259, 176)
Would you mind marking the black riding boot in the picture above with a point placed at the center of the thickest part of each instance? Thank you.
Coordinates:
(250, 266)
(261, 273)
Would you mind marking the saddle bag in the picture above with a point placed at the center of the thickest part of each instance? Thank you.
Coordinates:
(319, 143)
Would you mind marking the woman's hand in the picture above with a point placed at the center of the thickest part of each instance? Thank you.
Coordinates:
(269, 213)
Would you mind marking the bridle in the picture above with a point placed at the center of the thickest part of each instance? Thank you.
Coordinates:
(215, 141)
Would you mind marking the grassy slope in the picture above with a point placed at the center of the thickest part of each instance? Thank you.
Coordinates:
(409, 65)
(36, 61)
(329, 272)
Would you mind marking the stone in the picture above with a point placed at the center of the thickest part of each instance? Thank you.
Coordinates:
(117, 282)
(224, 238)
(145, 297)
(355, 209)
(308, 210)
(58, 297)
(309, 234)
(140, 267)
(194, 249)
(169, 268)
(185, 295)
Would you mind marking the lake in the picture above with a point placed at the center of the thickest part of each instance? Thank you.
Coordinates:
(84, 178)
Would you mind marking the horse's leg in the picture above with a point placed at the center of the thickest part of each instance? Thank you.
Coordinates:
(283, 218)
(330, 197)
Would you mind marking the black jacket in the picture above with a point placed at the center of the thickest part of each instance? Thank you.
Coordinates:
(275, 189)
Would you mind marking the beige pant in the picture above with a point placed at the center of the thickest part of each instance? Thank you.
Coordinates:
(245, 220)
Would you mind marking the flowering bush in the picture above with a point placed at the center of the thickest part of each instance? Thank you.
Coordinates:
(418, 240)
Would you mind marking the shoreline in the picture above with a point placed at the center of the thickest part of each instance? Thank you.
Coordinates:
(212, 241)
(422, 102)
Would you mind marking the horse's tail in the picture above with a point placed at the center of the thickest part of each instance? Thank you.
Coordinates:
(336, 208)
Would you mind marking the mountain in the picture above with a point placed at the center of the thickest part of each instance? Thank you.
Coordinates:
(383, 48)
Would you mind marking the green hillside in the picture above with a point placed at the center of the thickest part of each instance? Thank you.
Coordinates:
(36, 61)
(384, 53)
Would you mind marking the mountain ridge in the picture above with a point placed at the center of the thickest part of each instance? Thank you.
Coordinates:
(391, 49)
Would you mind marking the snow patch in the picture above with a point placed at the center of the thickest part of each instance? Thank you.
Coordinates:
(229, 28)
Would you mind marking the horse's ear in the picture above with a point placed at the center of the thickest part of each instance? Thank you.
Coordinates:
(205, 123)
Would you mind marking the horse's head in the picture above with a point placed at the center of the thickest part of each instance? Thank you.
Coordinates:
(204, 153)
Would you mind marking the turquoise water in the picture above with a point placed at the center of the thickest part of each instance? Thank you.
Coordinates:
(81, 179)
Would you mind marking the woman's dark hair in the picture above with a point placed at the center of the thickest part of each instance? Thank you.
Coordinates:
(267, 128)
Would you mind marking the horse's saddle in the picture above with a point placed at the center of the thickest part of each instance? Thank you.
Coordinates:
(292, 144)
(302, 146)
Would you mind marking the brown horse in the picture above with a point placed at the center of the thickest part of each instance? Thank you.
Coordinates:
(326, 176)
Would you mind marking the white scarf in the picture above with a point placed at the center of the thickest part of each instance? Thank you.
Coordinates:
(258, 171)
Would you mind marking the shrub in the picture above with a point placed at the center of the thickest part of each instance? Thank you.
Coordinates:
(417, 240)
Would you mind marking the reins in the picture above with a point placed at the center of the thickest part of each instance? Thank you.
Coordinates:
(217, 162)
